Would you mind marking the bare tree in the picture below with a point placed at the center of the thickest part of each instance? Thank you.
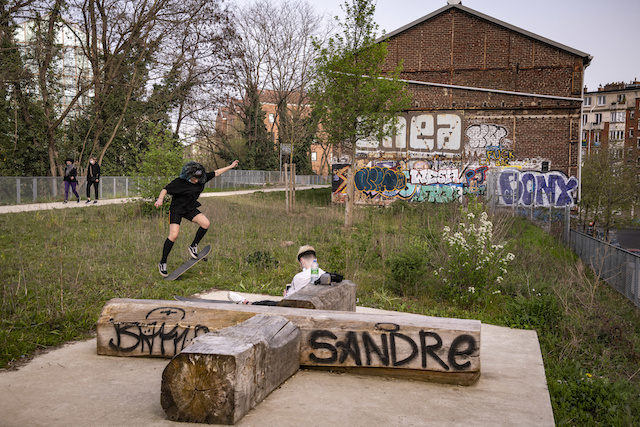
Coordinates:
(195, 60)
(277, 63)
(45, 52)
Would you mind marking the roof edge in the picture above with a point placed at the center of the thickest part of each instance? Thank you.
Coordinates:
(585, 56)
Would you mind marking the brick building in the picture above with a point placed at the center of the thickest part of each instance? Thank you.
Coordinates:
(228, 121)
(488, 98)
(611, 120)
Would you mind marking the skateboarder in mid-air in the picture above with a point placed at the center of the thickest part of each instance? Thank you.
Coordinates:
(185, 191)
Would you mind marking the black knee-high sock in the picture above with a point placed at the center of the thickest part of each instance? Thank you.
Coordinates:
(168, 244)
(199, 235)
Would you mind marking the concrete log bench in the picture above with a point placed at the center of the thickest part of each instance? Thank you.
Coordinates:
(391, 344)
(223, 374)
(338, 296)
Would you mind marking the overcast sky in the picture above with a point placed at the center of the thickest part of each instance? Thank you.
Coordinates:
(606, 30)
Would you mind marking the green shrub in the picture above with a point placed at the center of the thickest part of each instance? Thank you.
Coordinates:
(534, 312)
(405, 272)
(581, 398)
(474, 264)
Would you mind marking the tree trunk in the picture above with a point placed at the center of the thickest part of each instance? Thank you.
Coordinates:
(224, 374)
(349, 199)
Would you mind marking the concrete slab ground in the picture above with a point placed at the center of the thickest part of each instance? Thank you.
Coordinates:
(73, 386)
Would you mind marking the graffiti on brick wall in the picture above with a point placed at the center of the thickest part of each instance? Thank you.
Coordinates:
(388, 181)
(475, 180)
(419, 135)
(488, 143)
(482, 136)
(535, 163)
(536, 189)
(499, 156)
(379, 180)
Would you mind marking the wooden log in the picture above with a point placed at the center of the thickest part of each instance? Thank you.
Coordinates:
(223, 374)
(339, 296)
(422, 347)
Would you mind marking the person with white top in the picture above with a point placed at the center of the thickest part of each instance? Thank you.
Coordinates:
(306, 256)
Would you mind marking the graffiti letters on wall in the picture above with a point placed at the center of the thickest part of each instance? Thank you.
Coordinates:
(488, 143)
(429, 161)
(419, 135)
(388, 181)
(531, 188)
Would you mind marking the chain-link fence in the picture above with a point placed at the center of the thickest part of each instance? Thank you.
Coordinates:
(18, 190)
(616, 266)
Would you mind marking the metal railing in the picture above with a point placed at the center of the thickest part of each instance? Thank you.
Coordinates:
(616, 266)
(18, 190)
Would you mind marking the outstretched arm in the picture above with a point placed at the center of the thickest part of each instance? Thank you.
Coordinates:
(226, 168)
(158, 202)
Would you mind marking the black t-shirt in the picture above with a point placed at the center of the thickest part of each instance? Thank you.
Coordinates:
(185, 194)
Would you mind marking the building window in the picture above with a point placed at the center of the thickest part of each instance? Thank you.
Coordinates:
(630, 133)
(638, 163)
(596, 137)
(602, 100)
(632, 114)
(617, 116)
(622, 98)
(598, 119)
(616, 135)
(585, 119)
(638, 145)
(584, 137)
(272, 118)
(587, 101)
(314, 156)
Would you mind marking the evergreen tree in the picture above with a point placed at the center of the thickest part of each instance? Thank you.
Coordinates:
(261, 152)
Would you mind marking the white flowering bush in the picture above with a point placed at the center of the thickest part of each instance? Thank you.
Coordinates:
(475, 265)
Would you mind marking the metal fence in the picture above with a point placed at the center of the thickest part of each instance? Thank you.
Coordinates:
(17, 190)
(616, 266)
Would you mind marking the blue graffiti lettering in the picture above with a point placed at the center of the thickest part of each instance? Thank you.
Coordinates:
(536, 188)
(379, 179)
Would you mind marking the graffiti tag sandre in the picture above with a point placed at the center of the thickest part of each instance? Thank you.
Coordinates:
(390, 347)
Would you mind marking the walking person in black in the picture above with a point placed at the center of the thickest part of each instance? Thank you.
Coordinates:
(93, 178)
(70, 179)
(185, 191)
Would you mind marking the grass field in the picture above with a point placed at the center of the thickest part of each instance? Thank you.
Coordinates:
(59, 268)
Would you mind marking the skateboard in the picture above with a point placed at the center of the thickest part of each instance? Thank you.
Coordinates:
(188, 264)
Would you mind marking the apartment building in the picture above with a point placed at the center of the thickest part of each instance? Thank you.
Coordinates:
(70, 66)
(610, 120)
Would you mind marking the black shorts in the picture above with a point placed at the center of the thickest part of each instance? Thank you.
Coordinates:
(176, 218)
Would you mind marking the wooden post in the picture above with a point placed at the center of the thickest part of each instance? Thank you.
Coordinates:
(286, 185)
(349, 201)
(339, 296)
(393, 344)
(293, 187)
(224, 374)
